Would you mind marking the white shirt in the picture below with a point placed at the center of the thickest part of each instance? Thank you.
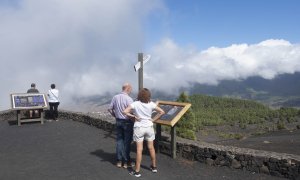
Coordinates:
(53, 95)
(144, 112)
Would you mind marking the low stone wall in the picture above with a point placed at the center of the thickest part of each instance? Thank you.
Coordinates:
(101, 121)
(8, 115)
(272, 163)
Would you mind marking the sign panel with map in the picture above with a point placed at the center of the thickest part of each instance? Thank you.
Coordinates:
(28, 101)
(173, 112)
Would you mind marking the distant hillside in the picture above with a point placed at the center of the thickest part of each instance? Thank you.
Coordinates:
(234, 118)
(284, 90)
(211, 110)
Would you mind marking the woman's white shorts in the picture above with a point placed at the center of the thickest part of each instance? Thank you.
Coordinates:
(141, 133)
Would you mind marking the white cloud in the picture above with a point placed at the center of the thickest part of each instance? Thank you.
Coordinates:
(85, 47)
(173, 66)
(90, 47)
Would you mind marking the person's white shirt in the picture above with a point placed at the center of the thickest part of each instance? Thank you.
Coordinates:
(144, 112)
(53, 95)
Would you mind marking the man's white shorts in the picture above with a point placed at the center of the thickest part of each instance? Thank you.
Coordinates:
(141, 133)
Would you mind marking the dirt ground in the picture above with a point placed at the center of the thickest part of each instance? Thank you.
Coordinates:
(282, 141)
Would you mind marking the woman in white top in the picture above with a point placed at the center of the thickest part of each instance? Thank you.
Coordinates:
(141, 112)
(53, 102)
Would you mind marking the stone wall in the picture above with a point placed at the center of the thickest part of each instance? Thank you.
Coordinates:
(8, 115)
(101, 121)
(272, 163)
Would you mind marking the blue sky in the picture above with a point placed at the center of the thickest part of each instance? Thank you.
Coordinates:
(206, 23)
(89, 47)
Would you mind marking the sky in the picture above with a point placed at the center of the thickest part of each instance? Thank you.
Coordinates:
(89, 47)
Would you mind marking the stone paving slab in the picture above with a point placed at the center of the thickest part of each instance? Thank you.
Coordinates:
(72, 150)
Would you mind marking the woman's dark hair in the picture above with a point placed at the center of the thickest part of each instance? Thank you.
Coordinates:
(52, 86)
(144, 95)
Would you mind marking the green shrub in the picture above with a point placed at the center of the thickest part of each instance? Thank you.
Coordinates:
(242, 125)
(280, 125)
(186, 133)
(238, 136)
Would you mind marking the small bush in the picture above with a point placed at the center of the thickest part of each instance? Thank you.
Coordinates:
(280, 125)
(238, 136)
(258, 133)
(243, 125)
(186, 133)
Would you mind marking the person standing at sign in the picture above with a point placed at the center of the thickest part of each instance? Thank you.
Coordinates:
(141, 111)
(53, 102)
(124, 125)
(33, 90)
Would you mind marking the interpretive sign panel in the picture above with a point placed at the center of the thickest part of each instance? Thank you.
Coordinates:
(28, 101)
(173, 112)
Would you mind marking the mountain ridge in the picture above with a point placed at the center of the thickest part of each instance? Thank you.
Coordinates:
(281, 91)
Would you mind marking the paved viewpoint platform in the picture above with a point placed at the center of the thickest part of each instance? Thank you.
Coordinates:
(68, 149)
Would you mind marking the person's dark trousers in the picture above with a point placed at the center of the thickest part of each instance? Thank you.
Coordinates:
(124, 139)
(53, 110)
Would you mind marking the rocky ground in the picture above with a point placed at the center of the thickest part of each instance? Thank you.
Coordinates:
(283, 141)
(266, 137)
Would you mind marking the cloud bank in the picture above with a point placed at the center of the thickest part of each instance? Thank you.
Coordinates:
(90, 47)
(85, 47)
(173, 66)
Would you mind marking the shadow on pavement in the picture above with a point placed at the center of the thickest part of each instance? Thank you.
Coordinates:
(105, 156)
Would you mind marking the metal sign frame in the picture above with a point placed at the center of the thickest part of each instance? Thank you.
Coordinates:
(20, 101)
(173, 112)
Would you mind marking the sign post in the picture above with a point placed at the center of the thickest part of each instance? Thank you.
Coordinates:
(140, 68)
(174, 111)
